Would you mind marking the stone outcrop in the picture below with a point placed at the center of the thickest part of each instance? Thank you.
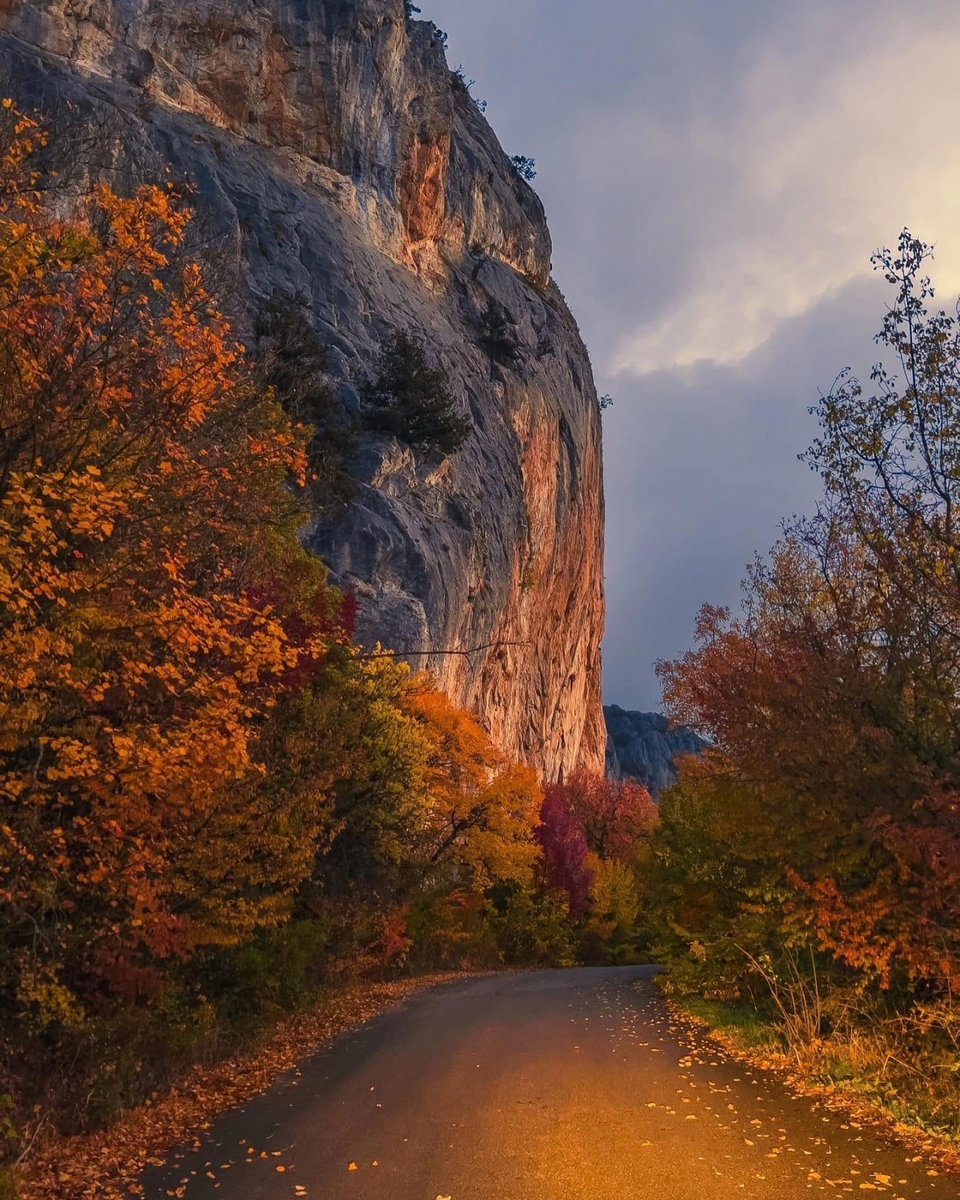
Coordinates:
(645, 746)
(344, 165)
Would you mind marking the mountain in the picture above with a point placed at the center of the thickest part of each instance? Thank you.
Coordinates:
(645, 746)
(343, 166)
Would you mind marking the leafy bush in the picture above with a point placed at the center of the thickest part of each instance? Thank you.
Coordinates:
(525, 167)
(615, 903)
(412, 400)
(278, 970)
(531, 928)
(451, 931)
(512, 923)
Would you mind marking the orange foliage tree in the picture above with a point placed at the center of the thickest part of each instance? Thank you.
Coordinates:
(144, 500)
(617, 815)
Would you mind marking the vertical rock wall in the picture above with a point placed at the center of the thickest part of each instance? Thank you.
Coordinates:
(346, 167)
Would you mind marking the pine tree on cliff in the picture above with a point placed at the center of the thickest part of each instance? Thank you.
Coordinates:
(412, 400)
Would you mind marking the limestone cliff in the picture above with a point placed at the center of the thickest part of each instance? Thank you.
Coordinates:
(346, 166)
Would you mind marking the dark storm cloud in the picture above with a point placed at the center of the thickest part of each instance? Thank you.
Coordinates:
(716, 177)
(703, 467)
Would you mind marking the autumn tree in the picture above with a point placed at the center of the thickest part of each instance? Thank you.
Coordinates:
(596, 836)
(153, 601)
(616, 815)
(565, 851)
(483, 808)
(822, 827)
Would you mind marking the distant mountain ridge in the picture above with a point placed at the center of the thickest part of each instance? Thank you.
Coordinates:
(644, 746)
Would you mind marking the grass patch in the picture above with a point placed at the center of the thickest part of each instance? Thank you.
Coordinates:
(738, 1020)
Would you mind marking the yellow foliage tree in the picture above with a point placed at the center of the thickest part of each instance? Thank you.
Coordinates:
(483, 809)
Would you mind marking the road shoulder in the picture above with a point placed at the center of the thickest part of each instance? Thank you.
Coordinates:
(107, 1165)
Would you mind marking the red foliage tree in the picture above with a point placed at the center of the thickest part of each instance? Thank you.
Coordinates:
(616, 815)
(564, 848)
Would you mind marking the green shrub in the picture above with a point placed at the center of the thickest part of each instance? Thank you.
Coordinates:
(278, 971)
(412, 400)
(91, 1074)
(531, 928)
(451, 931)
(86, 1077)
(614, 932)
(511, 924)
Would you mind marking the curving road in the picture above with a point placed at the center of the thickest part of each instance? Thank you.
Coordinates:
(556, 1085)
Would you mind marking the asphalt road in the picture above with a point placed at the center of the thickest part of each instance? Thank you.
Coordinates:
(557, 1085)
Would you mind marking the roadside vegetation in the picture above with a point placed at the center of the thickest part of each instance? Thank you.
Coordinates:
(806, 869)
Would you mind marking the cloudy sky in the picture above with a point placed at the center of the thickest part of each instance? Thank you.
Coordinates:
(716, 177)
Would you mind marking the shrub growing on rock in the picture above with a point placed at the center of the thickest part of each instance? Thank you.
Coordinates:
(292, 361)
(525, 167)
(412, 400)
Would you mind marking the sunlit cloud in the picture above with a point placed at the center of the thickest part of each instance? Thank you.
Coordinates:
(828, 163)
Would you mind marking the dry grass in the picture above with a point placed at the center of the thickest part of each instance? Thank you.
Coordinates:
(873, 1076)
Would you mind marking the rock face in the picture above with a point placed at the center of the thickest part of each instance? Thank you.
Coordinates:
(644, 746)
(346, 167)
